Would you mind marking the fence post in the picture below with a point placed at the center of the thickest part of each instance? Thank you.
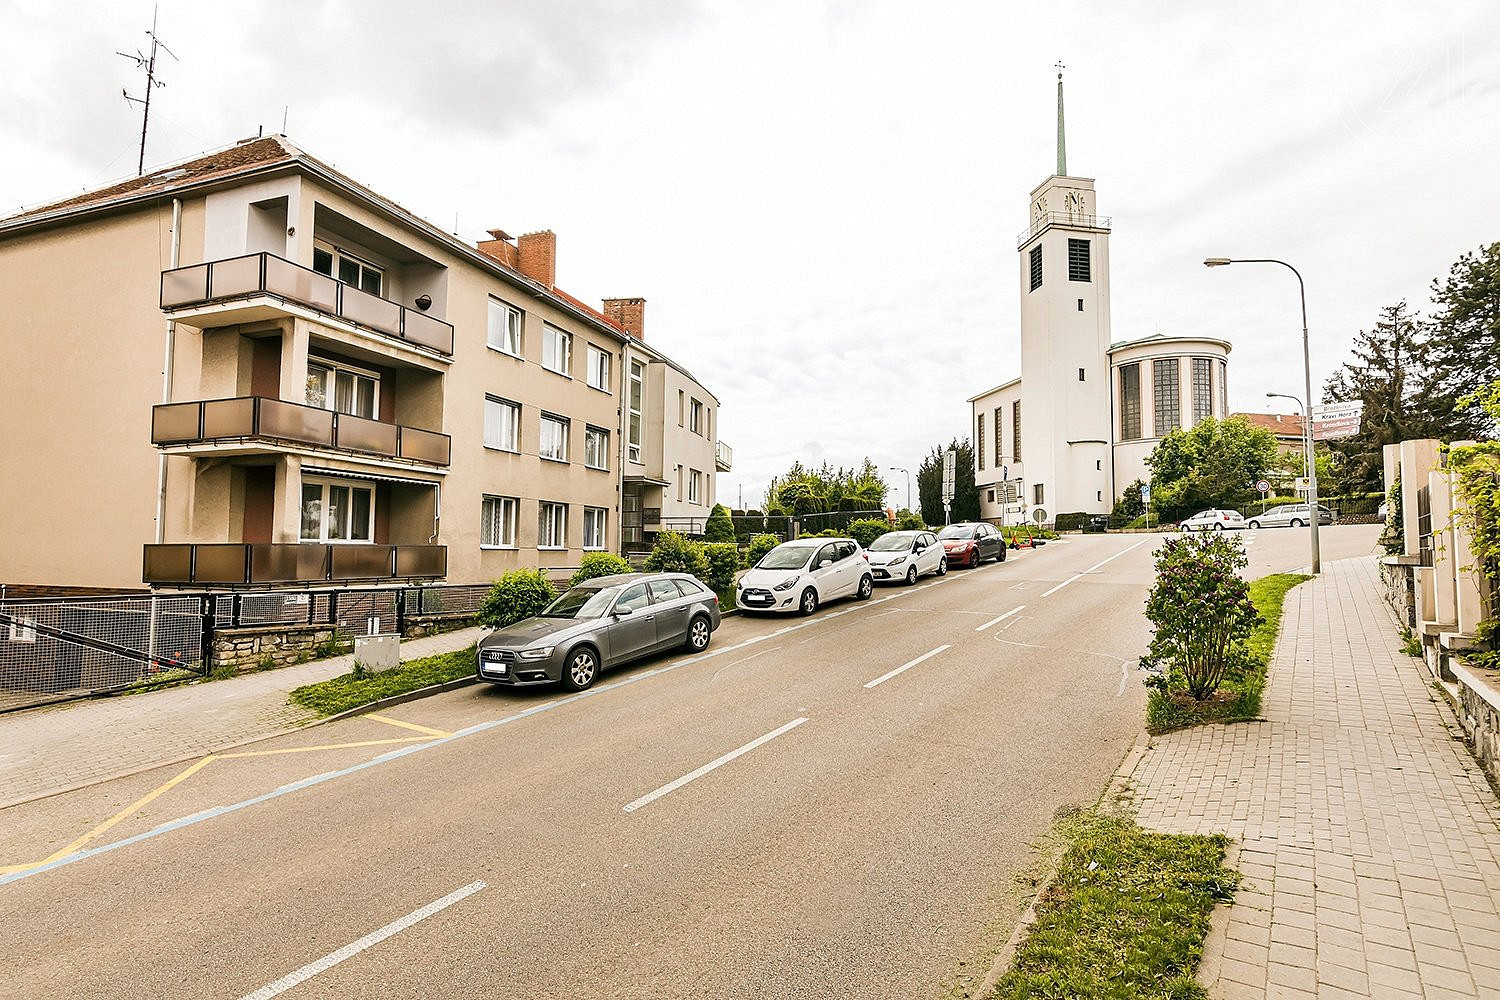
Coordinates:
(333, 609)
(237, 603)
(401, 611)
(207, 607)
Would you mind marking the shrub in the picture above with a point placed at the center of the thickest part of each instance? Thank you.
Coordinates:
(759, 546)
(516, 596)
(1129, 505)
(1200, 611)
(866, 530)
(674, 553)
(909, 521)
(723, 561)
(719, 527)
(596, 564)
(748, 524)
(1071, 521)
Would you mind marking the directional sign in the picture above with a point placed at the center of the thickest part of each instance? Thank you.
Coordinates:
(1336, 420)
(949, 464)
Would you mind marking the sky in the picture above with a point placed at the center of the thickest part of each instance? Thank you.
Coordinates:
(820, 201)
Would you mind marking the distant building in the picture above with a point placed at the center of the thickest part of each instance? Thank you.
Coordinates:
(1287, 428)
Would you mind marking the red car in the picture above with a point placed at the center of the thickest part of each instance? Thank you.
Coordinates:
(971, 543)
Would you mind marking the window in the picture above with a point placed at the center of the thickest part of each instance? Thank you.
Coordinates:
(637, 391)
(1080, 305)
(1078, 262)
(497, 523)
(502, 424)
(22, 629)
(979, 438)
(594, 521)
(557, 350)
(505, 327)
(343, 389)
(552, 525)
(596, 448)
(598, 368)
(1036, 267)
(1203, 395)
(1098, 465)
(336, 263)
(663, 591)
(1038, 495)
(1168, 398)
(679, 482)
(1080, 374)
(337, 512)
(998, 438)
(1015, 431)
(635, 597)
(992, 496)
(695, 416)
(1223, 389)
(1130, 401)
(695, 484)
(554, 444)
(681, 396)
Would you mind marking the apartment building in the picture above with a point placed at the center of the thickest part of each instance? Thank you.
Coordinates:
(250, 370)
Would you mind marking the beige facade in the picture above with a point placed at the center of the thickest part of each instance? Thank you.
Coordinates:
(354, 395)
(1160, 383)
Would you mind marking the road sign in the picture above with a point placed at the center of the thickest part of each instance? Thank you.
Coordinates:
(1302, 484)
(1263, 486)
(1004, 473)
(949, 465)
(1145, 493)
(1336, 420)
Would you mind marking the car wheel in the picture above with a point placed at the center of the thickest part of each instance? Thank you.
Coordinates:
(698, 634)
(866, 588)
(582, 669)
(1253, 525)
(942, 569)
(1001, 556)
(809, 601)
(1295, 523)
(911, 576)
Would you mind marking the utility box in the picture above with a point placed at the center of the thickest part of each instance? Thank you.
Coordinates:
(377, 653)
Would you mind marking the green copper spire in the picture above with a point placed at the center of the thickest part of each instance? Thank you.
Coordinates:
(1062, 143)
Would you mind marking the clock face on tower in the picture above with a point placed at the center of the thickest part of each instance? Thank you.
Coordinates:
(1039, 210)
(1075, 203)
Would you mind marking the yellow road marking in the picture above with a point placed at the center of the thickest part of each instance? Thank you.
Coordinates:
(407, 725)
(328, 746)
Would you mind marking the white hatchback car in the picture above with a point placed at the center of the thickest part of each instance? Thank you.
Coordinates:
(906, 555)
(802, 574)
(1213, 520)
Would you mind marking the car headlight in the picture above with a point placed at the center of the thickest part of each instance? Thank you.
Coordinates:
(535, 653)
(786, 584)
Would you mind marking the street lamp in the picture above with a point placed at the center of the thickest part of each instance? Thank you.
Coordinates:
(1307, 440)
(1308, 459)
(897, 468)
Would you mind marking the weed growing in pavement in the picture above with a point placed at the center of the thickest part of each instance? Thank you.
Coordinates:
(266, 662)
(1410, 644)
(223, 672)
(336, 643)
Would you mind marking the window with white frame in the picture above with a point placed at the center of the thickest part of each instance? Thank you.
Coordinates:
(334, 511)
(695, 486)
(554, 439)
(333, 385)
(497, 523)
(596, 448)
(557, 350)
(351, 270)
(502, 424)
(695, 416)
(505, 327)
(594, 521)
(637, 392)
(598, 368)
(552, 525)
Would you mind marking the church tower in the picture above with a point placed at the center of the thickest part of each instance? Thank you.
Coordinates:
(1066, 420)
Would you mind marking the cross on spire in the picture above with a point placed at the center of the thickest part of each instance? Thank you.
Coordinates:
(1062, 145)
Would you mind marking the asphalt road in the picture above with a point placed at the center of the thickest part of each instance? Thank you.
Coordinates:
(790, 814)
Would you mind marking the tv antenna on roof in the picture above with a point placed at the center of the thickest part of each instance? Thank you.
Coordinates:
(147, 63)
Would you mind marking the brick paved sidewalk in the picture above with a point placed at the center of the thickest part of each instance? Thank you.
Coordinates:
(1368, 836)
(53, 749)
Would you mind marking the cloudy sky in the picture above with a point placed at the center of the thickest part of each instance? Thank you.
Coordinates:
(820, 200)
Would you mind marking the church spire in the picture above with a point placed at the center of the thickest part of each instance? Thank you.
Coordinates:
(1062, 144)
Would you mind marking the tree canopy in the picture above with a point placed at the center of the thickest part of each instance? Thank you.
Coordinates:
(803, 492)
(1463, 345)
(1211, 465)
(930, 484)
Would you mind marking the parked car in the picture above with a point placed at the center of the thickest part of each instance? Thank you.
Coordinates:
(601, 623)
(1289, 515)
(970, 543)
(906, 555)
(1213, 520)
(1096, 523)
(802, 574)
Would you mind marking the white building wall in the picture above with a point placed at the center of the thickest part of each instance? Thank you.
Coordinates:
(1001, 469)
(1130, 454)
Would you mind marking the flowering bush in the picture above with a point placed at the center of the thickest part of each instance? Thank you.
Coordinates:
(1200, 611)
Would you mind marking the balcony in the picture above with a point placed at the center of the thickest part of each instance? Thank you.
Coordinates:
(275, 421)
(1093, 223)
(235, 291)
(242, 564)
(723, 456)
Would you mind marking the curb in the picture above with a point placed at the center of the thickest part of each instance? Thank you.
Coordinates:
(401, 699)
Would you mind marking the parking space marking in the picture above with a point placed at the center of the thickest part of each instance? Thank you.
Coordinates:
(347, 952)
(997, 621)
(667, 789)
(406, 725)
(907, 666)
(1077, 576)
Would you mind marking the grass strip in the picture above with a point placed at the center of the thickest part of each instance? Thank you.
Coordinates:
(1125, 917)
(357, 688)
(1238, 698)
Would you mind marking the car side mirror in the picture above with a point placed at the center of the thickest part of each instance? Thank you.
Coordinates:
(623, 611)
(825, 564)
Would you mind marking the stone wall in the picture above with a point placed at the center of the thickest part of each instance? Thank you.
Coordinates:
(247, 649)
(1479, 713)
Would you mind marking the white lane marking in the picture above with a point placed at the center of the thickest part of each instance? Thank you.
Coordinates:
(646, 800)
(1096, 565)
(907, 666)
(997, 621)
(327, 962)
(743, 659)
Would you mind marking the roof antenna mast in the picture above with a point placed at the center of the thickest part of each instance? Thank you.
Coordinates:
(147, 63)
(1062, 145)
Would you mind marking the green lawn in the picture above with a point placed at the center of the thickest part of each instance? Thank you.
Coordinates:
(352, 690)
(1125, 917)
(1238, 698)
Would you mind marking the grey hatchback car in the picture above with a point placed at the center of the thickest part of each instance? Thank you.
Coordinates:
(601, 622)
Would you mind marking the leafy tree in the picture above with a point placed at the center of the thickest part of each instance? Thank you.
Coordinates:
(930, 484)
(1211, 465)
(908, 521)
(866, 530)
(1464, 345)
(817, 496)
(760, 545)
(719, 528)
(1129, 504)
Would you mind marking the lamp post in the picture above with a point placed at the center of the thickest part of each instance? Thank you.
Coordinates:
(897, 468)
(1307, 458)
(1307, 439)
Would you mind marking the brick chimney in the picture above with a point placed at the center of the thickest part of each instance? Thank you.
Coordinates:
(537, 253)
(501, 246)
(629, 313)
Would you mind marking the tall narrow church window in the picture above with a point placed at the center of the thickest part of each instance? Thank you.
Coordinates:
(1015, 431)
(979, 442)
(999, 440)
(1168, 395)
(1036, 267)
(1078, 260)
(1223, 389)
(1130, 401)
(1203, 397)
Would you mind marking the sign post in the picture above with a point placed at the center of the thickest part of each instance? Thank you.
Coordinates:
(950, 463)
(1264, 488)
(1146, 502)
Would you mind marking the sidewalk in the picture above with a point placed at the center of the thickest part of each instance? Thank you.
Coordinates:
(54, 749)
(1368, 837)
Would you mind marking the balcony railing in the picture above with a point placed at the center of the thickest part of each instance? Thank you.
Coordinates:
(236, 563)
(267, 274)
(244, 417)
(1098, 222)
(723, 456)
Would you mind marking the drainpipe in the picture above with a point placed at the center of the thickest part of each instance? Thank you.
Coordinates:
(166, 375)
(437, 511)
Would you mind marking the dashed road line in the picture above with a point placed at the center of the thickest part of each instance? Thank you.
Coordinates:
(667, 789)
(997, 621)
(1077, 576)
(907, 666)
